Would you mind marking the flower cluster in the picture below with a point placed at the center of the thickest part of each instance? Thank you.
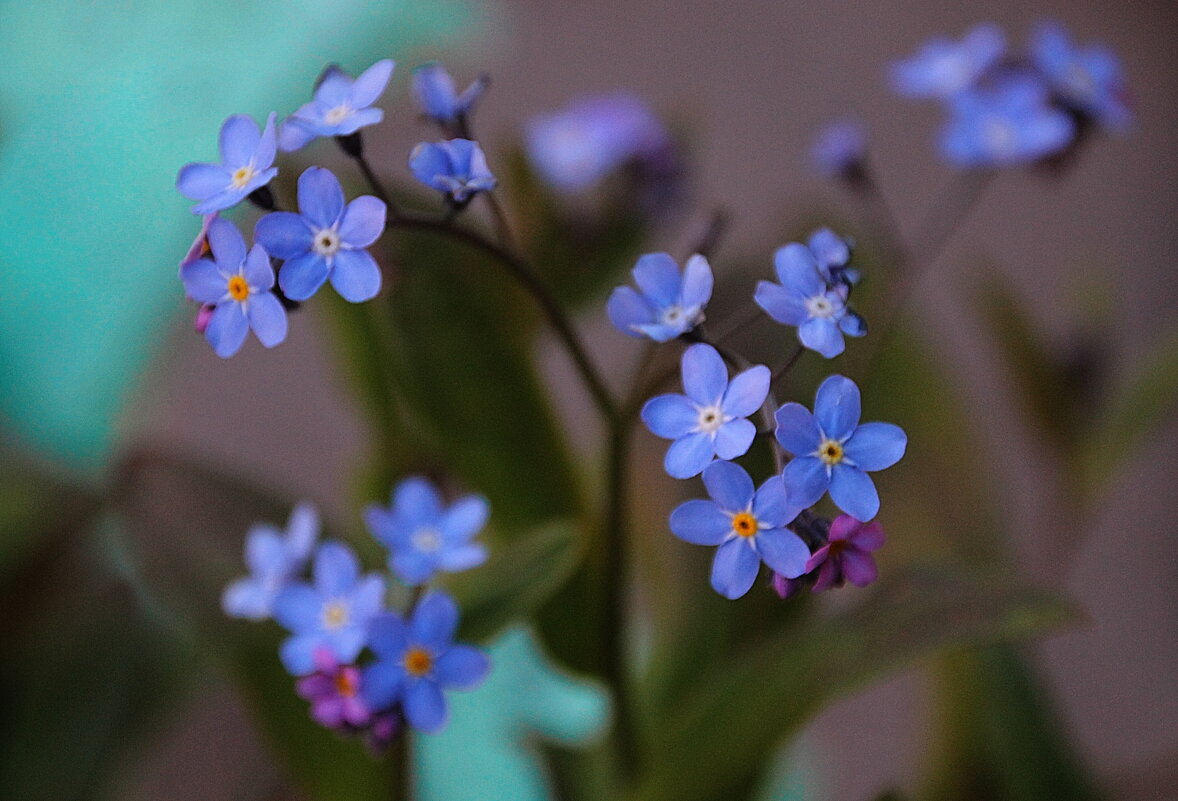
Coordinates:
(364, 668)
(1009, 109)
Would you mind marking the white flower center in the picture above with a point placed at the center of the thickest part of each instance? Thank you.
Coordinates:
(710, 419)
(819, 306)
(338, 114)
(426, 540)
(1079, 80)
(335, 614)
(830, 452)
(326, 242)
(998, 135)
(242, 176)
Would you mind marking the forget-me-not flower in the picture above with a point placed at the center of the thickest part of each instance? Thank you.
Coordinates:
(439, 99)
(332, 612)
(418, 659)
(457, 168)
(710, 419)
(1010, 121)
(749, 528)
(325, 240)
(273, 560)
(1087, 80)
(425, 536)
(943, 68)
(847, 554)
(341, 106)
(239, 286)
(334, 692)
(246, 158)
(668, 303)
(832, 450)
(832, 253)
(839, 148)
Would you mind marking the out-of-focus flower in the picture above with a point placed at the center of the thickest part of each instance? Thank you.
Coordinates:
(748, 527)
(839, 149)
(246, 156)
(832, 450)
(424, 536)
(668, 303)
(239, 286)
(847, 554)
(710, 419)
(273, 560)
(787, 587)
(1088, 80)
(439, 98)
(334, 692)
(341, 106)
(457, 168)
(943, 68)
(1007, 122)
(325, 240)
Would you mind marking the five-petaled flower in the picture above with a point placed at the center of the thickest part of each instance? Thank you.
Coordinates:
(1010, 121)
(847, 554)
(457, 168)
(334, 692)
(246, 156)
(749, 527)
(710, 419)
(1088, 81)
(341, 106)
(238, 285)
(832, 450)
(273, 560)
(668, 303)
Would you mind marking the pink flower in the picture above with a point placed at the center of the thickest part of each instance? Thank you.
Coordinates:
(847, 554)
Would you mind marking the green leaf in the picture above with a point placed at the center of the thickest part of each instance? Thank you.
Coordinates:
(752, 699)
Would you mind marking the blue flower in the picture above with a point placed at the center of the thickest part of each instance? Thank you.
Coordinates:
(833, 254)
(439, 99)
(418, 659)
(669, 304)
(710, 419)
(456, 168)
(273, 561)
(839, 148)
(341, 106)
(332, 613)
(246, 156)
(1090, 80)
(805, 299)
(833, 451)
(326, 240)
(749, 528)
(1008, 122)
(239, 286)
(423, 536)
(943, 68)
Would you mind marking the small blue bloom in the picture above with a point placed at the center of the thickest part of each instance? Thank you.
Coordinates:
(833, 254)
(273, 560)
(341, 106)
(710, 419)
(840, 148)
(246, 156)
(456, 168)
(1007, 122)
(943, 68)
(424, 536)
(418, 659)
(1088, 80)
(832, 450)
(332, 613)
(669, 304)
(238, 285)
(805, 299)
(439, 99)
(749, 528)
(325, 240)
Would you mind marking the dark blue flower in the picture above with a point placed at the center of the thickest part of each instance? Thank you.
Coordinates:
(439, 99)
(833, 451)
(943, 68)
(274, 560)
(424, 536)
(341, 106)
(419, 659)
(749, 528)
(710, 419)
(246, 156)
(333, 612)
(669, 303)
(325, 240)
(839, 148)
(1009, 121)
(239, 286)
(456, 168)
(1088, 80)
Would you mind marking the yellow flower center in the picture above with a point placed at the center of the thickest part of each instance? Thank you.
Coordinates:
(418, 662)
(830, 452)
(335, 615)
(242, 176)
(744, 524)
(239, 290)
(345, 684)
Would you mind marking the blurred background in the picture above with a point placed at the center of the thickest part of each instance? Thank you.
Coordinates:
(99, 106)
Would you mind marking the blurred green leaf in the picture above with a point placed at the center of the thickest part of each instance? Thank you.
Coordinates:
(751, 699)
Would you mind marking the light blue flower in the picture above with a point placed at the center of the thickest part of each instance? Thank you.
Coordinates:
(457, 168)
(273, 560)
(246, 156)
(943, 68)
(424, 536)
(238, 285)
(1008, 122)
(1088, 80)
(749, 528)
(668, 304)
(439, 99)
(832, 450)
(341, 106)
(333, 612)
(710, 419)
(325, 240)
(417, 660)
(839, 149)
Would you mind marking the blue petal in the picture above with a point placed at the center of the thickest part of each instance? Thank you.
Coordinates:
(797, 270)
(359, 119)
(257, 270)
(700, 523)
(822, 334)
(298, 607)
(418, 500)
(388, 637)
(294, 134)
(657, 275)
(227, 329)
(434, 620)
(462, 557)
(363, 221)
(321, 198)
(627, 309)
(688, 456)
(734, 438)
(301, 532)
(247, 598)
(425, 706)
(369, 84)
(428, 161)
(747, 391)
(837, 407)
(797, 430)
(355, 275)
(368, 598)
(697, 282)
(301, 277)
(227, 244)
(735, 568)
(298, 653)
(380, 684)
(435, 92)
(347, 642)
(464, 519)
(265, 551)
(704, 375)
(203, 281)
(267, 318)
(772, 504)
(875, 446)
(202, 181)
(783, 551)
(853, 324)
(829, 248)
(783, 305)
(853, 491)
(806, 479)
(729, 485)
(267, 146)
(462, 666)
(670, 416)
(239, 141)
(336, 570)
(333, 88)
(284, 234)
(413, 567)
(220, 201)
